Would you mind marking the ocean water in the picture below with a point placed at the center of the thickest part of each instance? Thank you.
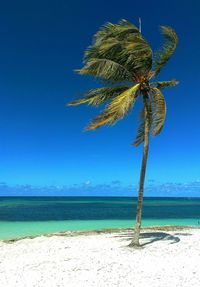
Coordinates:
(25, 216)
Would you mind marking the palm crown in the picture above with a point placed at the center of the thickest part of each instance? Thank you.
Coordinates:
(122, 58)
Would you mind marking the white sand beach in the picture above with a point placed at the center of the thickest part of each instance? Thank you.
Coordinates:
(167, 258)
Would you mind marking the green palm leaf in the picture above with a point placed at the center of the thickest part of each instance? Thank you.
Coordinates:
(140, 132)
(118, 31)
(136, 56)
(162, 56)
(122, 44)
(117, 109)
(164, 84)
(98, 96)
(107, 50)
(159, 110)
(106, 69)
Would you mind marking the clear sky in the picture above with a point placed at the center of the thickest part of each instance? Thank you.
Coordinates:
(42, 141)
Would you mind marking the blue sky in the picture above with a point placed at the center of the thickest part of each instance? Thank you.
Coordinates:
(42, 141)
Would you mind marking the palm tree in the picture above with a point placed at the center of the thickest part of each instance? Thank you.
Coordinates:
(122, 58)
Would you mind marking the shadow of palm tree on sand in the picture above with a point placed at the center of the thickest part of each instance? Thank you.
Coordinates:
(151, 237)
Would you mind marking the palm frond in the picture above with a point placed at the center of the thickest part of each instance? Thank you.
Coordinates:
(140, 132)
(107, 50)
(137, 56)
(164, 84)
(98, 96)
(118, 31)
(162, 56)
(134, 54)
(123, 44)
(106, 69)
(117, 109)
(159, 110)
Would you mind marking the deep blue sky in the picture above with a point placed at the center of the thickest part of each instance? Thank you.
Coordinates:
(42, 142)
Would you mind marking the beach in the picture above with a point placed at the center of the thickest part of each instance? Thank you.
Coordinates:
(168, 257)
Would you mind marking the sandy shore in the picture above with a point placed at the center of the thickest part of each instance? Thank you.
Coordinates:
(167, 258)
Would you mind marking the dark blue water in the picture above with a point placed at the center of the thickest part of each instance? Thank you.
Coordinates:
(94, 208)
(21, 216)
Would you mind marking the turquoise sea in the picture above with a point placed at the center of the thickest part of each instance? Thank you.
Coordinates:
(23, 216)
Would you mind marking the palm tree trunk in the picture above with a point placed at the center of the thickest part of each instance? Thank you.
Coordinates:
(135, 240)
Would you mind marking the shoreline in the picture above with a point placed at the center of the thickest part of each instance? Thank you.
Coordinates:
(74, 233)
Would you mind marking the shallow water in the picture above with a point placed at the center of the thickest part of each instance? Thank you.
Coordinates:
(23, 216)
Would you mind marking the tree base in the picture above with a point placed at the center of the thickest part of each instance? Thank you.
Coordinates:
(135, 242)
(135, 245)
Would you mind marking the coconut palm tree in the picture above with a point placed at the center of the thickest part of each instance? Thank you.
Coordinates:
(121, 58)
